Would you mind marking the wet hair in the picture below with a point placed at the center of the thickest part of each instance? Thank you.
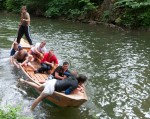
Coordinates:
(81, 78)
(65, 63)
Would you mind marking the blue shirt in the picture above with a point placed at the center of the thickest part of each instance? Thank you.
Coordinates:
(12, 52)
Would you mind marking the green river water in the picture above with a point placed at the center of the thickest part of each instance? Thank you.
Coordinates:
(117, 64)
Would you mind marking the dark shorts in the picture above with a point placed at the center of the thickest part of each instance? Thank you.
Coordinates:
(20, 61)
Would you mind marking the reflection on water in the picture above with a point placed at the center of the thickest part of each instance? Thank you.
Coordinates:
(117, 64)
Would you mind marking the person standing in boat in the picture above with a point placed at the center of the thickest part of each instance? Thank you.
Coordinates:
(20, 56)
(61, 72)
(38, 50)
(24, 25)
(48, 62)
(13, 51)
(68, 86)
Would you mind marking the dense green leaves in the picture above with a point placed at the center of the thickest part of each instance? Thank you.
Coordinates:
(53, 8)
(73, 8)
(13, 5)
(12, 113)
(133, 13)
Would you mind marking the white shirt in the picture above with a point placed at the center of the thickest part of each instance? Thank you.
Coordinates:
(37, 45)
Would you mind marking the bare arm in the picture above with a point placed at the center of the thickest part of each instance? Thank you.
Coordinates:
(11, 59)
(37, 101)
(51, 64)
(15, 63)
(23, 63)
(37, 52)
(59, 77)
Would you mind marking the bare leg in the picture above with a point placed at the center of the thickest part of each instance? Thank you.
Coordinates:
(30, 65)
(34, 85)
(37, 100)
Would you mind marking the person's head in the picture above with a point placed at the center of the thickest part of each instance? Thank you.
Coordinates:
(19, 48)
(51, 52)
(65, 65)
(15, 45)
(23, 9)
(43, 43)
(81, 78)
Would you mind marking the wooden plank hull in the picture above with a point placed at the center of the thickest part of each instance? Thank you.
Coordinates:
(58, 98)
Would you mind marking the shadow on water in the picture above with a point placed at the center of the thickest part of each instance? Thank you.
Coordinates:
(116, 63)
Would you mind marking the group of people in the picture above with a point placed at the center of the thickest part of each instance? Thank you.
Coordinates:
(60, 80)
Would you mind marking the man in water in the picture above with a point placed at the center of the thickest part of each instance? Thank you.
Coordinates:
(24, 25)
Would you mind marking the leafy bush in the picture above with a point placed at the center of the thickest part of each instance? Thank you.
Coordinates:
(2, 4)
(71, 8)
(12, 113)
(133, 13)
(13, 5)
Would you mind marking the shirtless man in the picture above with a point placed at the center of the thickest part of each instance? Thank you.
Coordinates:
(20, 56)
(24, 25)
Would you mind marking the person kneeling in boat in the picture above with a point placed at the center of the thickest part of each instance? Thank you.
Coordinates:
(28, 61)
(61, 72)
(48, 62)
(20, 56)
(68, 86)
(38, 50)
(13, 51)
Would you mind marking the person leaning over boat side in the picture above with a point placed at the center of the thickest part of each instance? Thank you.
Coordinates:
(60, 71)
(13, 51)
(19, 56)
(38, 50)
(68, 85)
(24, 25)
(48, 62)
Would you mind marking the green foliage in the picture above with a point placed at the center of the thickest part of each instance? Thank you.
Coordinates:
(87, 5)
(71, 8)
(106, 15)
(74, 13)
(11, 113)
(128, 13)
(133, 13)
(2, 4)
(13, 5)
(36, 5)
(54, 8)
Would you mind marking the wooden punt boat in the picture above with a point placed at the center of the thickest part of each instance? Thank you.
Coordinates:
(58, 98)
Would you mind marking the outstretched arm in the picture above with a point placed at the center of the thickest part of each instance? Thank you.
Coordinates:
(37, 101)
